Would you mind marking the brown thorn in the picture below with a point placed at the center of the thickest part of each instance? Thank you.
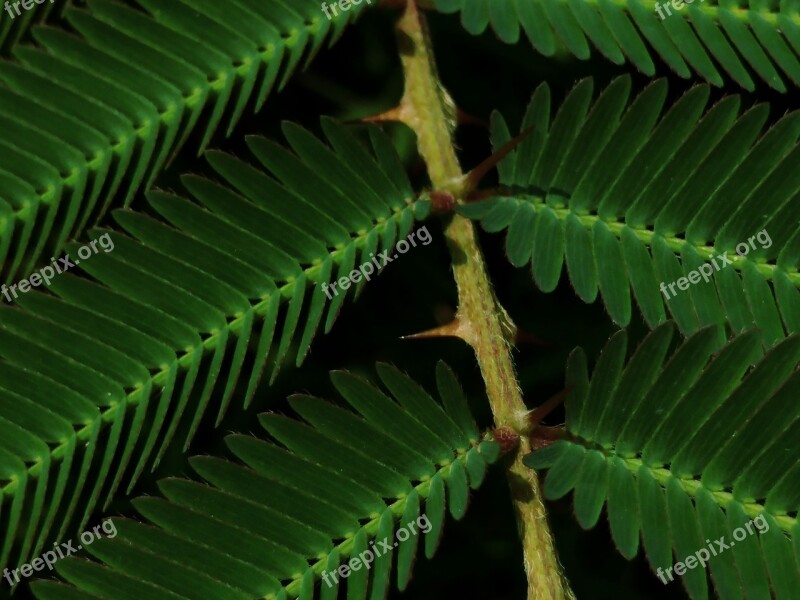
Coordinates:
(544, 436)
(474, 177)
(398, 113)
(540, 412)
(455, 328)
(464, 118)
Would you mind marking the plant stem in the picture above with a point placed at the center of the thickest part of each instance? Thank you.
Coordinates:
(427, 108)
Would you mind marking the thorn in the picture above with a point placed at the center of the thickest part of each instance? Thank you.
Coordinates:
(455, 328)
(464, 118)
(398, 113)
(544, 436)
(474, 177)
(478, 195)
(540, 412)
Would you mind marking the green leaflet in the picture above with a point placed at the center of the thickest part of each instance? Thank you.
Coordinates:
(274, 523)
(686, 447)
(13, 29)
(765, 36)
(636, 194)
(97, 124)
(104, 373)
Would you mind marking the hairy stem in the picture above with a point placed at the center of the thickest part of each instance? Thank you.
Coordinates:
(482, 322)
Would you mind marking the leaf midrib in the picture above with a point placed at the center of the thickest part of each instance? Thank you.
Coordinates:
(345, 548)
(690, 485)
(249, 62)
(108, 414)
(713, 10)
(676, 244)
(722, 497)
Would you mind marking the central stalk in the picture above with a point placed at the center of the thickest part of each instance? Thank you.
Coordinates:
(430, 112)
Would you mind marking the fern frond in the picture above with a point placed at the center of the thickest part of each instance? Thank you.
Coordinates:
(271, 525)
(103, 113)
(102, 374)
(702, 36)
(686, 449)
(631, 198)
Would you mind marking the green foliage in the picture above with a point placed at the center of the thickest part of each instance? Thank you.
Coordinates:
(686, 448)
(117, 364)
(218, 279)
(631, 194)
(96, 125)
(12, 30)
(265, 526)
(765, 37)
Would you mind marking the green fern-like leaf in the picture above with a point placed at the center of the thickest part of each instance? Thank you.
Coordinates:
(685, 449)
(705, 36)
(630, 199)
(113, 368)
(271, 525)
(97, 124)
